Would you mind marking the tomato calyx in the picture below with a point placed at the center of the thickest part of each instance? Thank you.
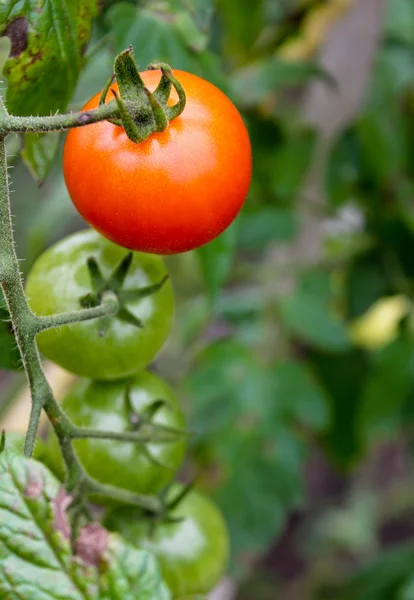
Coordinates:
(114, 283)
(143, 421)
(169, 505)
(143, 112)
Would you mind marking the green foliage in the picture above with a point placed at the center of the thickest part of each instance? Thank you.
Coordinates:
(216, 260)
(386, 578)
(305, 316)
(38, 153)
(386, 390)
(35, 552)
(48, 44)
(232, 391)
(256, 82)
(169, 32)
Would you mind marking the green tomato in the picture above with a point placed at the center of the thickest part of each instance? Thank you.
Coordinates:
(192, 553)
(107, 405)
(58, 281)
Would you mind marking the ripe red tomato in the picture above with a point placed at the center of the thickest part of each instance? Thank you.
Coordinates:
(174, 192)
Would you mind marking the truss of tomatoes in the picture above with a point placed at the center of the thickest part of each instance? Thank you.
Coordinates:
(174, 192)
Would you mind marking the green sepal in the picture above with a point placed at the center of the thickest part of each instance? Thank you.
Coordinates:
(95, 273)
(105, 89)
(126, 296)
(128, 124)
(117, 279)
(125, 315)
(127, 75)
(149, 413)
(186, 489)
(158, 112)
(163, 90)
(115, 283)
(153, 460)
(142, 112)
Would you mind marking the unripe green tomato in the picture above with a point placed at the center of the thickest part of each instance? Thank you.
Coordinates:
(192, 553)
(58, 281)
(102, 405)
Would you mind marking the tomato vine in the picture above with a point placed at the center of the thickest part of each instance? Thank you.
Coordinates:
(26, 324)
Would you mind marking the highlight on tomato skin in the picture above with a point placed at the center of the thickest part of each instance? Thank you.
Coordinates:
(173, 192)
(192, 545)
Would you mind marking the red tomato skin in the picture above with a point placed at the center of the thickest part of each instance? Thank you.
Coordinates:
(174, 192)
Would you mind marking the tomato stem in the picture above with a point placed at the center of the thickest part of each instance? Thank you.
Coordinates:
(26, 325)
(11, 123)
(141, 113)
(136, 109)
(108, 307)
(136, 437)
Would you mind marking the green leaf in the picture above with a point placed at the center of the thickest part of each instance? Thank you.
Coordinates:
(400, 21)
(35, 553)
(258, 228)
(367, 281)
(343, 376)
(5, 46)
(386, 390)
(311, 320)
(259, 449)
(9, 352)
(302, 397)
(132, 574)
(192, 21)
(241, 32)
(48, 43)
(292, 161)
(274, 487)
(173, 34)
(246, 417)
(216, 259)
(407, 590)
(39, 153)
(343, 169)
(379, 579)
(254, 83)
(394, 72)
(381, 133)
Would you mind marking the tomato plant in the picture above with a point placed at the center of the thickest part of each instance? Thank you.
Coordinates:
(120, 406)
(192, 545)
(175, 191)
(108, 348)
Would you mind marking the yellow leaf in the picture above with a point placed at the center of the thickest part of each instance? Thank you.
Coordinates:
(378, 326)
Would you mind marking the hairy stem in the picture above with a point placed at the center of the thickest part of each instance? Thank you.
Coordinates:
(152, 436)
(22, 318)
(26, 325)
(108, 307)
(151, 503)
(11, 123)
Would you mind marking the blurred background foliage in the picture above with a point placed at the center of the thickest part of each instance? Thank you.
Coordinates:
(296, 370)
